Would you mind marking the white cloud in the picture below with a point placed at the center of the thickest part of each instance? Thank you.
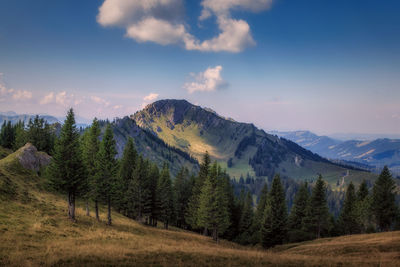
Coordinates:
(47, 99)
(207, 81)
(160, 21)
(150, 97)
(100, 101)
(22, 95)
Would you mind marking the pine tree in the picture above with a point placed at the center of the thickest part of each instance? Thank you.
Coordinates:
(154, 175)
(317, 213)
(193, 205)
(213, 211)
(165, 196)
(348, 217)
(363, 208)
(383, 200)
(40, 134)
(297, 214)
(362, 192)
(125, 175)
(91, 146)
(246, 221)
(274, 228)
(259, 215)
(66, 169)
(181, 196)
(20, 135)
(106, 170)
(7, 135)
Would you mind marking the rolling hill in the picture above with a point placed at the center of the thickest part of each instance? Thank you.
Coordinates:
(34, 230)
(240, 147)
(375, 153)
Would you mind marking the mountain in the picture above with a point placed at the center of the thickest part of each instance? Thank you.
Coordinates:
(149, 145)
(240, 147)
(14, 118)
(374, 153)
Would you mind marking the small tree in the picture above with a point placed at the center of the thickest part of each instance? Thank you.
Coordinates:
(297, 214)
(66, 169)
(383, 200)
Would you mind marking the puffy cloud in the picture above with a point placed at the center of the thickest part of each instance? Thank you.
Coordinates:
(160, 21)
(150, 97)
(100, 101)
(207, 81)
(47, 99)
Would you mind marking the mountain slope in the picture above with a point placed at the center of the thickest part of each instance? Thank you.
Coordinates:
(34, 230)
(375, 153)
(14, 118)
(241, 147)
(150, 146)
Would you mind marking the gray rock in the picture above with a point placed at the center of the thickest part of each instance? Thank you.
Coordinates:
(32, 159)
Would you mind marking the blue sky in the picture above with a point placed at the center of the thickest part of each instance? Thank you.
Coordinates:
(326, 66)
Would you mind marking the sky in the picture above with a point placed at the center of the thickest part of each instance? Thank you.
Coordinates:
(327, 66)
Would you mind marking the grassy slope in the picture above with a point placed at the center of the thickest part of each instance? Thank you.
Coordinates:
(34, 231)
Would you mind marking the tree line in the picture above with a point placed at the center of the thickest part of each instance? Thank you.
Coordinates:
(85, 166)
(37, 132)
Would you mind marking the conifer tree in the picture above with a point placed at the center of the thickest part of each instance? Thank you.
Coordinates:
(106, 169)
(213, 211)
(164, 192)
(317, 214)
(7, 135)
(259, 215)
(125, 175)
(363, 208)
(297, 214)
(362, 192)
(154, 175)
(40, 134)
(246, 220)
(274, 228)
(91, 145)
(383, 200)
(193, 205)
(181, 196)
(66, 169)
(20, 135)
(348, 217)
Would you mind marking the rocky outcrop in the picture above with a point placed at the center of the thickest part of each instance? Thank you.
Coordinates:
(32, 159)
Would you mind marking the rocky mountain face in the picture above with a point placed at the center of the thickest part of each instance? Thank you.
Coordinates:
(240, 147)
(374, 153)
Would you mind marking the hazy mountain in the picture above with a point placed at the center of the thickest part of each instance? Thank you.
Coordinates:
(14, 118)
(375, 153)
(240, 147)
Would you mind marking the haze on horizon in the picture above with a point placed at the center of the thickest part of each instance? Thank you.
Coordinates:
(327, 67)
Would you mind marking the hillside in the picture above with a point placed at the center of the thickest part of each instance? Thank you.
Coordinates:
(150, 146)
(375, 153)
(34, 230)
(241, 147)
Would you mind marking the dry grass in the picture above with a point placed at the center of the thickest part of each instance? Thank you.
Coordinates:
(34, 230)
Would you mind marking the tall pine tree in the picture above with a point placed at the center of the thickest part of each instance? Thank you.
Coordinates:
(165, 197)
(317, 215)
(348, 216)
(106, 170)
(274, 228)
(66, 169)
(297, 214)
(383, 200)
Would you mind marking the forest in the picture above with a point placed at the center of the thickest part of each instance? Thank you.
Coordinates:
(85, 166)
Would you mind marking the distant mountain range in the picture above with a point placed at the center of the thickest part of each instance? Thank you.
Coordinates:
(373, 153)
(15, 118)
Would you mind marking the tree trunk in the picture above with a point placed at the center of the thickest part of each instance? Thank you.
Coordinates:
(166, 225)
(215, 234)
(87, 208)
(96, 207)
(71, 206)
(109, 222)
(205, 232)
